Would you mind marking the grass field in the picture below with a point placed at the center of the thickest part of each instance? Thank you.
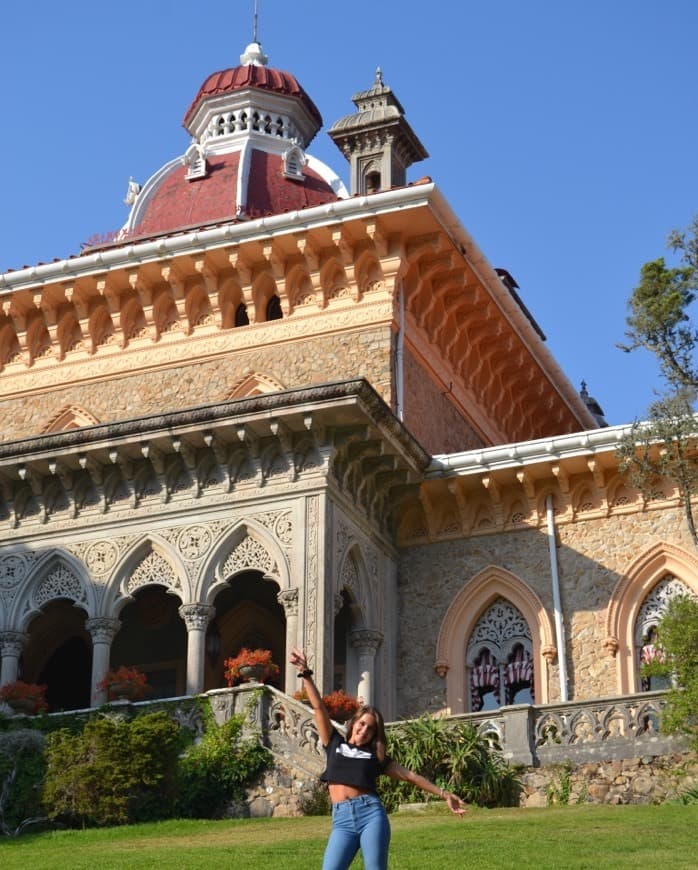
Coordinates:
(553, 839)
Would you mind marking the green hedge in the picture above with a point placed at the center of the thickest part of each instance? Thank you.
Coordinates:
(119, 770)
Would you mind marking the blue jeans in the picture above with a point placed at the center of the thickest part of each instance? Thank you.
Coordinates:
(358, 822)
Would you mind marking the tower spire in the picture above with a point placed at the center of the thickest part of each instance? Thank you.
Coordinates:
(253, 54)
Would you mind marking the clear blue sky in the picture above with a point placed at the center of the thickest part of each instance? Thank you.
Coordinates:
(564, 133)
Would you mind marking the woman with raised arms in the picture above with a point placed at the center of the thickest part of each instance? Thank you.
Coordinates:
(354, 763)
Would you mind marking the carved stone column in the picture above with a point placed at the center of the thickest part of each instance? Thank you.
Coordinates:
(196, 617)
(103, 630)
(366, 642)
(11, 646)
(288, 599)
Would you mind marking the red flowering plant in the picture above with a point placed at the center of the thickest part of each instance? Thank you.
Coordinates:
(25, 697)
(236, 669)
(126, 682)
(340, 706)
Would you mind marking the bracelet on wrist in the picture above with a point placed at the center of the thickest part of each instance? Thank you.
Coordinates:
(306, 674)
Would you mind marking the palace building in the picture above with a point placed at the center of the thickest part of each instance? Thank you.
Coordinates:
(276, 411)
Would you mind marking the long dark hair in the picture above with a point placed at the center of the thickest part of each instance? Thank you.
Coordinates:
(378, 742)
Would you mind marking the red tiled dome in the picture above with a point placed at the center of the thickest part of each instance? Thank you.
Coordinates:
(176, 203)
(252, 76)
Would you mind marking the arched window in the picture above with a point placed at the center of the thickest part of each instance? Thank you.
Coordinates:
(499, 659)
(373, 182)
(274, 309)
(241, 318)
(647, 647)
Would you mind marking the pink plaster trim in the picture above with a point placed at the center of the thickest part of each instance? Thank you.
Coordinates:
(460, 619)
(643, 573)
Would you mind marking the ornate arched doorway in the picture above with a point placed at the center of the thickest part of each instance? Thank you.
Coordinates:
(59, 655)
(248, 614)
(153, 637)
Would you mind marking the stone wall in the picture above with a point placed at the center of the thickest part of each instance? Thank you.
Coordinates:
(593, 555)
(333, 357)
(649, 779)
(430, 416)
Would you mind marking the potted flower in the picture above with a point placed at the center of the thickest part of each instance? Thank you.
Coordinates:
(254, 665)
(339, 705)
(28, 698)
(125, 683)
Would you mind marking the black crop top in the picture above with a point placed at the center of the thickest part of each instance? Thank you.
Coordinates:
(352, 765)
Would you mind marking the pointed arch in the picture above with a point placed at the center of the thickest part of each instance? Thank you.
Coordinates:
(462, 615)
(643, 573)
(58, 575)
(149, 561)
(352, 577)
(247, 546)
(255, 384)
(69, 417)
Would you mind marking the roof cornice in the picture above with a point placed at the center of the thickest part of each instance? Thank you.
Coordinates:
(134, 252)
(522, 453)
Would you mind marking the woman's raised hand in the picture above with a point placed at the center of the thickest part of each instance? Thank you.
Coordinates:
(299, 659)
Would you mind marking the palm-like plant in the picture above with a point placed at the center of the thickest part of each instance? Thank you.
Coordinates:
(452, 755)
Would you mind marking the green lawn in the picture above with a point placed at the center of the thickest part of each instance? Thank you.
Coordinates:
(554, 839)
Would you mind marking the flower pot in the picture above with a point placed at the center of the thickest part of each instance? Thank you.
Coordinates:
(253, 673)
(122, 692)
(26, 706)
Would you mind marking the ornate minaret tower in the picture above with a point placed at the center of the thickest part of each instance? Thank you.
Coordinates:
(377, 140)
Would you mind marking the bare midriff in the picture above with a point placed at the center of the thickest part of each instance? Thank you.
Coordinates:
(339, 792)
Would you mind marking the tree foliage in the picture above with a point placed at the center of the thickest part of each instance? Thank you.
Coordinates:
(217, 769)
(678, 635)
(659, 319)
(22, 767)
(664, 447)
(115, 772)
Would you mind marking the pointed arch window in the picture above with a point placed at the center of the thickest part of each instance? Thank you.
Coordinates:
(499, 659)
(274, 309)
(241, 316)
(647, 646)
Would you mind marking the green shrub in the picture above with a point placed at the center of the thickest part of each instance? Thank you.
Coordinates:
(115, 772)
(217, 769)
(22, 767)
(678, 636)
(454, 756)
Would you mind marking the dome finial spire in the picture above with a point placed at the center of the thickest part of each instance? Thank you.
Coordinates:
(253, 54)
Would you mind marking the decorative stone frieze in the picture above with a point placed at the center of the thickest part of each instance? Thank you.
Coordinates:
(249, 554)
(60, 582)
(153, 569)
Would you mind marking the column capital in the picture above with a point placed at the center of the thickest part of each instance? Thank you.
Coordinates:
(197, 615)
(12, 642)
(103, 629)
(288, 599)
(366, 640)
